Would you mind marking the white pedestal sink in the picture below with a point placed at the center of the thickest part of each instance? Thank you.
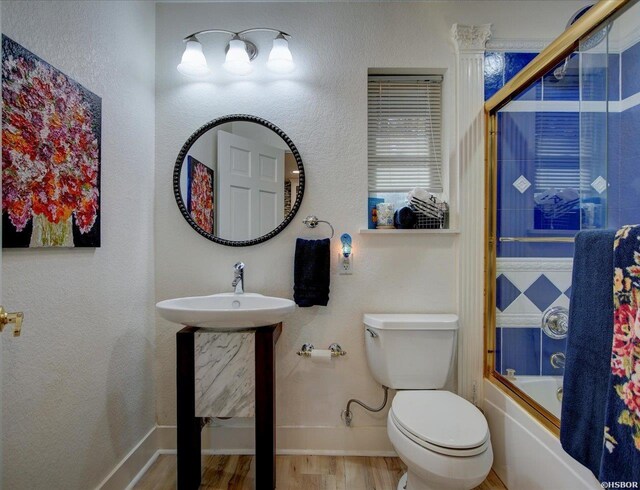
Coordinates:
(226, 311)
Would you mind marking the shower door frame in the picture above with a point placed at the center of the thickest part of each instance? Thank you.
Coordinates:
(554, 53)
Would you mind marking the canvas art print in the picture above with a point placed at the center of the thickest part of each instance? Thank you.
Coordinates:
(200, 194)
(50, 155)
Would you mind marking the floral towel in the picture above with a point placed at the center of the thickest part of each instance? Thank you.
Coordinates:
(621, 452)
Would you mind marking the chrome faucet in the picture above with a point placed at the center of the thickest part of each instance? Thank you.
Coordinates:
(238, 278)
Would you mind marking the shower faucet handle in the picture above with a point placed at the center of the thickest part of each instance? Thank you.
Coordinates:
(555, 322)
(557, 360)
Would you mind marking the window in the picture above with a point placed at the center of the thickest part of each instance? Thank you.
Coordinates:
(404, 133)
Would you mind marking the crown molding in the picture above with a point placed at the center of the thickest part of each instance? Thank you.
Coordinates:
(517, 45)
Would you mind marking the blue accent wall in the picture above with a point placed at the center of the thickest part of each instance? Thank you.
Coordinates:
(624, 143)
(535, 144)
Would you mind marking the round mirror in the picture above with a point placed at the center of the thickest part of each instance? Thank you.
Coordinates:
(238, 180)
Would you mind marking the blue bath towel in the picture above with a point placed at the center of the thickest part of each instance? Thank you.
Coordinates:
(586, 373)
(621, 451)
(311, 272)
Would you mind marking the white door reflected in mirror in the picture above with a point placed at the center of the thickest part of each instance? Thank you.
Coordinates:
(251, 190)
(239, 181)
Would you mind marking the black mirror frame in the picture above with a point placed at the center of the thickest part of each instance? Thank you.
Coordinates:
(183, 154)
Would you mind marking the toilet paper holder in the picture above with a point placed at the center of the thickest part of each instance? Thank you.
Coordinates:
(335, 349)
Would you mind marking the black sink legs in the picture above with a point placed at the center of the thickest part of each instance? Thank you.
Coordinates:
(190, 426)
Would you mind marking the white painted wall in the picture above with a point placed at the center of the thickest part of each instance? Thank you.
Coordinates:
(78, 388)
(322, 107)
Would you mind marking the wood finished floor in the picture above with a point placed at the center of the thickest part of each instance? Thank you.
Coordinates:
(293, 473)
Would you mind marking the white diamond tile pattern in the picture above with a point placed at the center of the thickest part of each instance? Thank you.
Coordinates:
(522, 184)
(600, 184)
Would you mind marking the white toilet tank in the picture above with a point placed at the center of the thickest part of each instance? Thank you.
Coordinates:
(410, 351)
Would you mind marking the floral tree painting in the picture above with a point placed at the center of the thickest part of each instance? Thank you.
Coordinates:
(200, 194)
(50, 155)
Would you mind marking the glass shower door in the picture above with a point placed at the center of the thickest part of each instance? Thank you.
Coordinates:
(552, 181)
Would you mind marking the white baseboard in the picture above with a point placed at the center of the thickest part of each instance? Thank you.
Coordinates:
(130, 468)
(322, 441)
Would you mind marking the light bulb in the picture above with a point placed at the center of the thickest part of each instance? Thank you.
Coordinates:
(280, 59)
(193, 63)
(346, 244)
(237, 60)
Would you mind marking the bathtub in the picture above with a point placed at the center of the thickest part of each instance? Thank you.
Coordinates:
(543, 389)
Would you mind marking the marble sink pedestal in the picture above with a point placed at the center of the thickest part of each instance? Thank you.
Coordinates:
(226, 374)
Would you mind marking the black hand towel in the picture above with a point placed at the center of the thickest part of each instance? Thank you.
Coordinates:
(311, 272)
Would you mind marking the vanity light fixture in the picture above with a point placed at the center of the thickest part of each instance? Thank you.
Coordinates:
(239, 53)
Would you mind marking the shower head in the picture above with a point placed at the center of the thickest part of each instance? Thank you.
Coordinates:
(594, 38)
(585, 44)
(561, 71)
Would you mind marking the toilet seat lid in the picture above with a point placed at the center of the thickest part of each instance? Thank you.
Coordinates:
(440, 418)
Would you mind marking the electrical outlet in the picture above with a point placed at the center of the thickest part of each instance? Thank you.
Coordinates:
(345, 265)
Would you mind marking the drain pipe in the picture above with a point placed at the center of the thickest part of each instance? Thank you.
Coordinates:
(347, 415)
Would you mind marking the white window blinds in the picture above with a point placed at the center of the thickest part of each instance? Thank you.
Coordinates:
(558, 151)
(405, 133)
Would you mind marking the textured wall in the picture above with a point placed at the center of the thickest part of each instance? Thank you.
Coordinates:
(78, 385)
(322, 107)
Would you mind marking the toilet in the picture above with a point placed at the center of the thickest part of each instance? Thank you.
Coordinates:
(441, 437)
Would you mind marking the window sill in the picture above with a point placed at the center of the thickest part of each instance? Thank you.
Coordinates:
(367, 231)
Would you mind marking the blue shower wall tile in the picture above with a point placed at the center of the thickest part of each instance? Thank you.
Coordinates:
(614, 220)
(565, 88)
(594, 76)
(629, 184)
(630, 71)
(613, 137)
(514, 62)
(613, 170)
(517, 135)
(515, 222)
(500, 67)
(521, 350)
(549, 347)
(542, 292)
(506, 292)
(613, 81)
(630, 216)
(534, 92)
(508, 196)
(514, 249)
(523, 135)
(629, 127)
(498, 350)
(493, 73)
(628, 175)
